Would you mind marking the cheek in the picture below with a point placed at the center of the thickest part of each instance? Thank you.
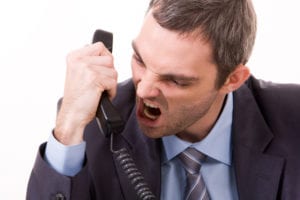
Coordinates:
(178, 99)
(175, 96)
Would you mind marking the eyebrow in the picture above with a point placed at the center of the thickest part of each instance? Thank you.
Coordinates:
(179, 77)
(167, 76)
(136, 51)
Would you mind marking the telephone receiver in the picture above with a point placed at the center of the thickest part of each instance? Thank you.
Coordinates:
(110, 122)
(107, 116)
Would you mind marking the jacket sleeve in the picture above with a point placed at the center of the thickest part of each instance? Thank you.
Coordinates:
(46, 183)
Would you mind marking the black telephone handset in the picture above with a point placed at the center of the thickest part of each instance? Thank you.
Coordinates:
(110, 123)
(108, 119)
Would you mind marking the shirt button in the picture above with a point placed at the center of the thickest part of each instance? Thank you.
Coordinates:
(60, 196)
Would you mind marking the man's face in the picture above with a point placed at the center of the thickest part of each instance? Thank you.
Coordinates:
(175, 78)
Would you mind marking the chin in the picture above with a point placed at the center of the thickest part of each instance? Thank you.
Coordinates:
(153, 133)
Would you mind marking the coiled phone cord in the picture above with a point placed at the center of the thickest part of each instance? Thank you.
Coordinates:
(134, 175)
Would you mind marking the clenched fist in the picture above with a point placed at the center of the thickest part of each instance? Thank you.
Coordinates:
(90, 71)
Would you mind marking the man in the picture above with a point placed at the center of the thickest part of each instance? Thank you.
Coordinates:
(190, 92)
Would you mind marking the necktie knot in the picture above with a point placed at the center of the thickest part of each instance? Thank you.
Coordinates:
(195, 188)
(191, 160)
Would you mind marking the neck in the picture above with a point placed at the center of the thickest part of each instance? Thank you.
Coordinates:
(199, 130)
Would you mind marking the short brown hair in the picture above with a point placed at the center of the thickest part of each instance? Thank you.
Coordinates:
(229, 25)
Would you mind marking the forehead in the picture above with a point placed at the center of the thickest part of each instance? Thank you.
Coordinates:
(166, 51)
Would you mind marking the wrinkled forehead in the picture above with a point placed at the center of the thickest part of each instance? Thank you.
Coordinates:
(163, 49)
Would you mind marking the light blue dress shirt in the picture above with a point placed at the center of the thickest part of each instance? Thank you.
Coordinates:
(66, 160)
(217, 171)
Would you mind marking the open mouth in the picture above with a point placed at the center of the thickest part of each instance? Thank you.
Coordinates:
(151, 111)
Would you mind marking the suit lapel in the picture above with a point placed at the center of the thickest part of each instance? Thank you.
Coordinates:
(257, 174)
(146, 155)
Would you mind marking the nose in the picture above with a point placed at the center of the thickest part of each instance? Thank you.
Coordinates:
(146, 87)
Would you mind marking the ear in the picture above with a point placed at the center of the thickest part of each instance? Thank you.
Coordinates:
(236, 78)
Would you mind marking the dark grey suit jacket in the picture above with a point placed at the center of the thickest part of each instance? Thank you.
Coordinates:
(266, 150)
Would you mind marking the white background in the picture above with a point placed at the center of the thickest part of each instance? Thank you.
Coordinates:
(36, 35)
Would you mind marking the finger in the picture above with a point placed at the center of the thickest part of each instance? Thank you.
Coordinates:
(103, 71)
(101, 49)
(106, 61)
(110, 86)
(105, 83)
(95, 49)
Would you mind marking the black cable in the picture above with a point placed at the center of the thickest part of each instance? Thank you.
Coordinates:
(136, 178)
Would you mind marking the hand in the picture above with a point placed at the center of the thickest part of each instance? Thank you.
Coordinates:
(90, 71)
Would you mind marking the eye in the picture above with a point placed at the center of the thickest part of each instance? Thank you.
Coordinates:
(137, 59)
(179, 83)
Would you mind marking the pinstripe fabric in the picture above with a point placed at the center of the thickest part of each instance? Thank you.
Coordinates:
(196, 189)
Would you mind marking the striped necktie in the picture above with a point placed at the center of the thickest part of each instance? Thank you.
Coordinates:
(196, 189)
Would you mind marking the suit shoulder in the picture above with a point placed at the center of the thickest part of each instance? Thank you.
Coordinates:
(285, 94)
(278, 103)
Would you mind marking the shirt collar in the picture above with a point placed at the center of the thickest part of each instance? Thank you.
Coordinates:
(219, 136)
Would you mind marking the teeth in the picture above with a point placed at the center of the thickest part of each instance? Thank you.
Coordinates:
(150, 105)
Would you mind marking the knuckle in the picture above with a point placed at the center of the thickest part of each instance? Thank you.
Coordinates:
(111, 61)
(107, 61)
(100, 45)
